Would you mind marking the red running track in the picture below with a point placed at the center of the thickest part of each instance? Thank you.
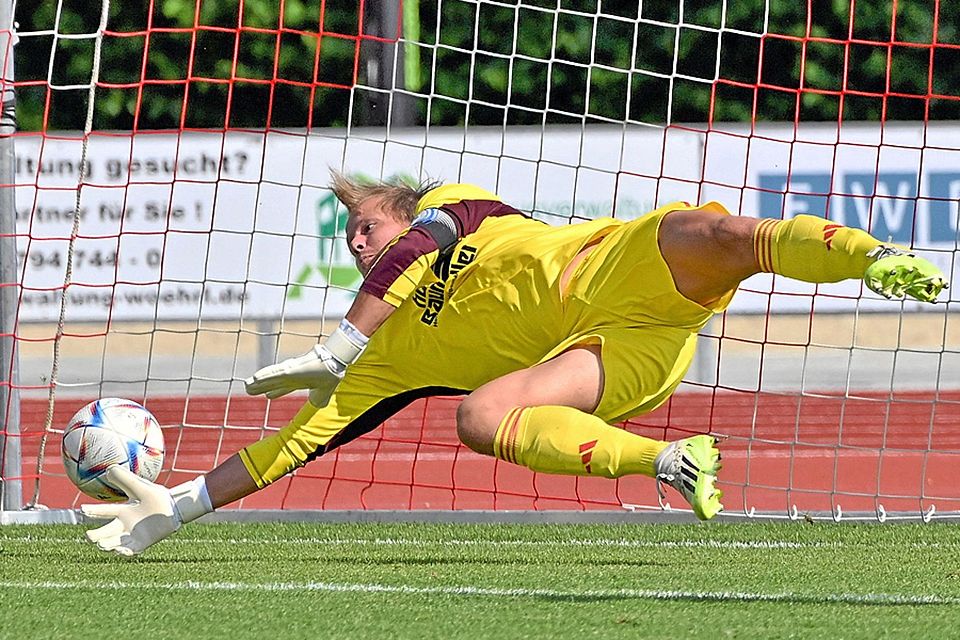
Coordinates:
(812, 452)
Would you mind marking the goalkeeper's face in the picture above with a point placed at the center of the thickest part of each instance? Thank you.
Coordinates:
(370, 227)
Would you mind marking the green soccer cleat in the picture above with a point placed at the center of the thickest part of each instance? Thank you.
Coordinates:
(897, 273)
(690, 466)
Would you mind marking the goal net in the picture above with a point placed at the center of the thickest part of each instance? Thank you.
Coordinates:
(174, 230)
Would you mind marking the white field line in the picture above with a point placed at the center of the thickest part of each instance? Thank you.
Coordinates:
(387, 542)
(762, 545)
(553, 594)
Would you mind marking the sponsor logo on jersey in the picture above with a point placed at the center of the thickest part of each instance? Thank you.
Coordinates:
(433, 296)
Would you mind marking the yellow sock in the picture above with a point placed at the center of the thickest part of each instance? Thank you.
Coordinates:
(812, 249)
(570, 442)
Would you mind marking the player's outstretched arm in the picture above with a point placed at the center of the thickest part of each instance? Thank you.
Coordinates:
(389, 280)
(319, 369)
(368, 312)
(154, 512)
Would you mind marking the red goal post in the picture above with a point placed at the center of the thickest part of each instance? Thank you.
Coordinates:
(176, 160)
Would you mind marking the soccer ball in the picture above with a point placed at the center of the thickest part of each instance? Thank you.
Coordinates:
(106, 432)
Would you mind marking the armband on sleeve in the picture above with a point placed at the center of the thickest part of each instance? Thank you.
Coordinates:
(440, 225)
(432, 233)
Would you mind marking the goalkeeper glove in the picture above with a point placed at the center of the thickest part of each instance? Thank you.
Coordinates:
(319, 370)
(152, 513)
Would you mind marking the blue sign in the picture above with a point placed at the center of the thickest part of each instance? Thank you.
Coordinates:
(888, 205)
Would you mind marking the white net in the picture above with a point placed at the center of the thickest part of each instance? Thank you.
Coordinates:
(205, 242)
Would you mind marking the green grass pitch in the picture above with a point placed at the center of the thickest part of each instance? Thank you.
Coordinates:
(749, 580)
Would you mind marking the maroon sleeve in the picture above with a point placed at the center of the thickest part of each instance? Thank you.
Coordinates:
(396, 259)
(467, 216)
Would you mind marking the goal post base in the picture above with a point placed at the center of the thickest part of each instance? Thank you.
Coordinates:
(41, 516)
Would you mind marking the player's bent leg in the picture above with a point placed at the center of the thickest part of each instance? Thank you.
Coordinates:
(564, 440)
(816, 250)
(558, 435)
(708, 252)
(573, 379)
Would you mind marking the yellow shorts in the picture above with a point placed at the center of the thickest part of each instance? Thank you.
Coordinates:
(623, 297)
(509, 315)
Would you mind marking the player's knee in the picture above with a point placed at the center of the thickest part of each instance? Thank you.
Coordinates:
(727, 233)
(476, 425)
(731, 233)
(733, 238)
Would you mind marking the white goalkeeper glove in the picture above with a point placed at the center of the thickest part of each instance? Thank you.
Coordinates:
(152, 513)
(319, 369)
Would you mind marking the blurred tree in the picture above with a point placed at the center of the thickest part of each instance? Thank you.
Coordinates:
(185, 63)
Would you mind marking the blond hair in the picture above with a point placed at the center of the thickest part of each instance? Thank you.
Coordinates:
(399, 196)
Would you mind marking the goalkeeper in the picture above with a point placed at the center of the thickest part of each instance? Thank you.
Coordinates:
(553, 334)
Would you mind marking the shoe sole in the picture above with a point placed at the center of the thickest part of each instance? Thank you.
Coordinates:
(903, 279)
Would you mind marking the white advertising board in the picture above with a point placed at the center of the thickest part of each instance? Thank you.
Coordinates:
(215, 225)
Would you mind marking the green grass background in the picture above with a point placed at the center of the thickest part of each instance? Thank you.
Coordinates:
(749, 580)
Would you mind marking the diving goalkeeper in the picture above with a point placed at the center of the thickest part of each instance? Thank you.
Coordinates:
(553, 334)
